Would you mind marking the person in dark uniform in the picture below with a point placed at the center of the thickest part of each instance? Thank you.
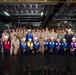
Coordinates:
(46, 43)
(68, 38)
(0, 42)
(30, 47)
(73, 46)
(36, 45)
(51, 46)
(29, 35)
(58, 46)
(23, 46)
(6, 46)
(64, 47)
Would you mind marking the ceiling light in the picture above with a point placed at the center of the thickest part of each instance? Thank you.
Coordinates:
(30, 5)
(27, 11)
(21, 11)
(6, 13)
(16, 11)
(32, 11)
(24, 5)
(36, 11)
(65, 21)
(42, 13)
(40, 21)
(58, 24)
(36, 6)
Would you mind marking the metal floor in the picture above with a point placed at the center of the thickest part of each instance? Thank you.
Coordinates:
(38, 64)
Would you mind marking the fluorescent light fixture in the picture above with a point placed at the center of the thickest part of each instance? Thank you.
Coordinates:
(6, 13)
(65, 21)
(42, 13)
(21, 11)
(16, 11)
(30, 5)
(24, 5)
(36, 11)
(58, 24)
(40, 21)
(27, 11)
(32, 11)
(36, 6)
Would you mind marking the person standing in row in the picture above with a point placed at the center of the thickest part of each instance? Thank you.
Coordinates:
(36, 45)
(51, 45)
(14, 45)
(29, 35)
(73, 46)
(46, 46)
(23, 46)
(6, 46)
(12, 34)
(53, 34)
(4, 34)
(30, 47)
(64, 47)
(58, 46)
(60, 35)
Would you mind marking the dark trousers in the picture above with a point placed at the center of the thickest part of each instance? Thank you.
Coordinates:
(75, 52)
(36, 50)
(29, 51)
(6, 52)
(22, 53)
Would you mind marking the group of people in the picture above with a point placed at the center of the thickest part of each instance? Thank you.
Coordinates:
(27, 41)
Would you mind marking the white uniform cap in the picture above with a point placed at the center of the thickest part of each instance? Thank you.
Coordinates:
(64, 39)
(30, 39)
(6, 37)
(52, 38)
(29, 30)
(69, 30)
(45, 38)
(36, 38)
(73, 38)
(58, 39)
(24, 39)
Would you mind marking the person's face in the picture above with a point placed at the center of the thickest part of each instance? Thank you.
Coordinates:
(9, 30)
(74, 40)
(52, 40)
(64, 41)
(23, 40)
(58, 40)
(16, 30)
(69, 32)
(60, 31)
(22, 31)
(43, 30)
(5, 31)
(37, 30)
(29, 31)
(6, 39)
(19, 30)
(30, 41)
(52, 30)
(15, 37)
(13, 30)
(34, 30)
(46, 29)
